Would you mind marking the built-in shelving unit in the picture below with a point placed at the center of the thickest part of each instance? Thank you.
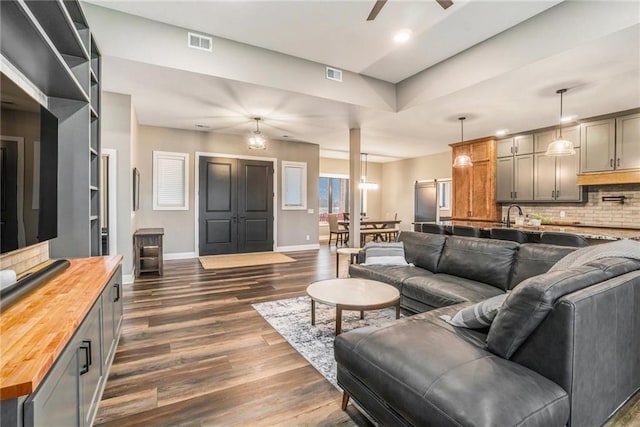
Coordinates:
(51, 45)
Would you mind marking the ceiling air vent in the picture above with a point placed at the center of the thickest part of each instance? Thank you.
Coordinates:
(199, 41)
(334, 74)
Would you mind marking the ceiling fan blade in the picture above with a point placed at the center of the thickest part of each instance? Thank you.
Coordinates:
(376, 9)
(445, 3)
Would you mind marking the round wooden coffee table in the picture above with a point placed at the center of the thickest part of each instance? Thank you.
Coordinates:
(352, 294)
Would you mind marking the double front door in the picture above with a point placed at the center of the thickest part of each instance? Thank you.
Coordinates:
(236, 206)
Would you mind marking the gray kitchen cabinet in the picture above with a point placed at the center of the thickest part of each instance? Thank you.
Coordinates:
(57, 400)
(523, 177)
(628, 142)
(543, 139)
(70, 394)
(598, 145)
(555, 178)
(514, 169)
(112, 317)
(504, 179)
(90, 360)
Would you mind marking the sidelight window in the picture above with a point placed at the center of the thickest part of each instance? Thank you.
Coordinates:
(170, 181)
(334, 196)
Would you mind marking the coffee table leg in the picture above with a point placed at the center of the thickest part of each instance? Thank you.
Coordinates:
(338, 319)
(361, 314)
(313, 313)
(398, 310)
(337, 264)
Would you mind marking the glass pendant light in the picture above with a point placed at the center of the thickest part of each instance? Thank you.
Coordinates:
(560, 147)
(364, 185)
(462, 160)
(257, 141)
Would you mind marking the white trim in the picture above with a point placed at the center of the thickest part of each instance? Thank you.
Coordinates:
(184, 157)
(303, 185)
(179, 255)
(298, 248)
(20, 187)
(22, 81)
(112, 215)
(196, 192)
(334, 175)
(128, 279)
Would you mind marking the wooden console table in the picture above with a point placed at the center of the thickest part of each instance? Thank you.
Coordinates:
(147, 243)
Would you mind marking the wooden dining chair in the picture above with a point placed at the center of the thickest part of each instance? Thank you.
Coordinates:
(342, 235)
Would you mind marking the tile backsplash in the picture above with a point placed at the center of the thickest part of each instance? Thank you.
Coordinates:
(24, 259)
(594, 211)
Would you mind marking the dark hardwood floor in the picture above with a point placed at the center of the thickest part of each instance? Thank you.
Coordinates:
(194, 352)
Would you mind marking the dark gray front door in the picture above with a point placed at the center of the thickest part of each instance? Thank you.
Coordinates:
(236, 206)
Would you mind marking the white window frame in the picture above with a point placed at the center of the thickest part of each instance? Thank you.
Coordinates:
(302, 195)
(184, 157)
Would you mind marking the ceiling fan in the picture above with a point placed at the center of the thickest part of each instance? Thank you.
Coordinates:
(380, 3)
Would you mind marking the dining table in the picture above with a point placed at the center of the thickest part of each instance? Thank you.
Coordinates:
(368, 225)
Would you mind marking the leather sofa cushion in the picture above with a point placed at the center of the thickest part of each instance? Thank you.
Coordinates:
(535, 258)
(440, 290)
(483, 260)
(394, 275)
(530, 302)
(447, 378)
(422, 249)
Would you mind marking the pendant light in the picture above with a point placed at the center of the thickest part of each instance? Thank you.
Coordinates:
(364, 185)
(560, 147)
(462, 160)
(257, 141)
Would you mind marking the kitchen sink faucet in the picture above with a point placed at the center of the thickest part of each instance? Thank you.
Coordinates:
(509, 213)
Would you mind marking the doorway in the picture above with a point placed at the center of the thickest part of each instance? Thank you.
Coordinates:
(235, 205)
(108, 200)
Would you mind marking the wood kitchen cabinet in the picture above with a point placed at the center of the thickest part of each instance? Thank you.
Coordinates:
(474, 189)
(612, 144)
(628, 142)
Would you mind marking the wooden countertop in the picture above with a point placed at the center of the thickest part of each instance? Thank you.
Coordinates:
(35, 330)
(584, 230)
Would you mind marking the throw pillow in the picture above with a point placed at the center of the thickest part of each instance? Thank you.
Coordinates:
(384, 254)
(477, 316)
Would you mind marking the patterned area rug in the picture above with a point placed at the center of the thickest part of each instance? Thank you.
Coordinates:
(292, 319)
(211, 262)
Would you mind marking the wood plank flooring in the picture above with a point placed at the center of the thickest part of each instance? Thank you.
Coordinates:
(194, 352)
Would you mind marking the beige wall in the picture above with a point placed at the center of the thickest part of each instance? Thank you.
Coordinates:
(292, 226)
(399, 178)
(117, 129)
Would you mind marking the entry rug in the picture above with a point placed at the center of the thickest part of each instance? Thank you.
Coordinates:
(212, 262)
(292, 319)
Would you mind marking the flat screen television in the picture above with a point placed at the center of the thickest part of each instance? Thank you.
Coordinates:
(28, 169)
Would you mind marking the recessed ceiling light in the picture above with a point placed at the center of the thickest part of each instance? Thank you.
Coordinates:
(402, 36)
(567, 119)
(502, 132)
(201, 126)
(285, 136)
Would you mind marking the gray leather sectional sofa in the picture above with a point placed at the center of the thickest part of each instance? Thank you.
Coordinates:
(564, 348)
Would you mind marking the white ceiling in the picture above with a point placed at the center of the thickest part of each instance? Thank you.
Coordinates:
(601, 70)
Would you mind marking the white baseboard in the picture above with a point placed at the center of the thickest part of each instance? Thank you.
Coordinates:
(128, 279)
(180, 255)
(298, 248)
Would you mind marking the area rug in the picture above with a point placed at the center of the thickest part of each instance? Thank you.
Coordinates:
(211, 262)
(292, 319)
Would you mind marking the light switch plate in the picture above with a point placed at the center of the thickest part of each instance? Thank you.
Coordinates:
(310, 211)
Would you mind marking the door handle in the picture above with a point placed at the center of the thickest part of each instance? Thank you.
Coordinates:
(557, 193)
(553, 194)
(515, 195)
(117, 286)
(86, 348)
(618, 161)
(511, 195)
(611, 163)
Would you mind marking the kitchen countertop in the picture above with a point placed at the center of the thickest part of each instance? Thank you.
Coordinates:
(36, 329)
(584, 230)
